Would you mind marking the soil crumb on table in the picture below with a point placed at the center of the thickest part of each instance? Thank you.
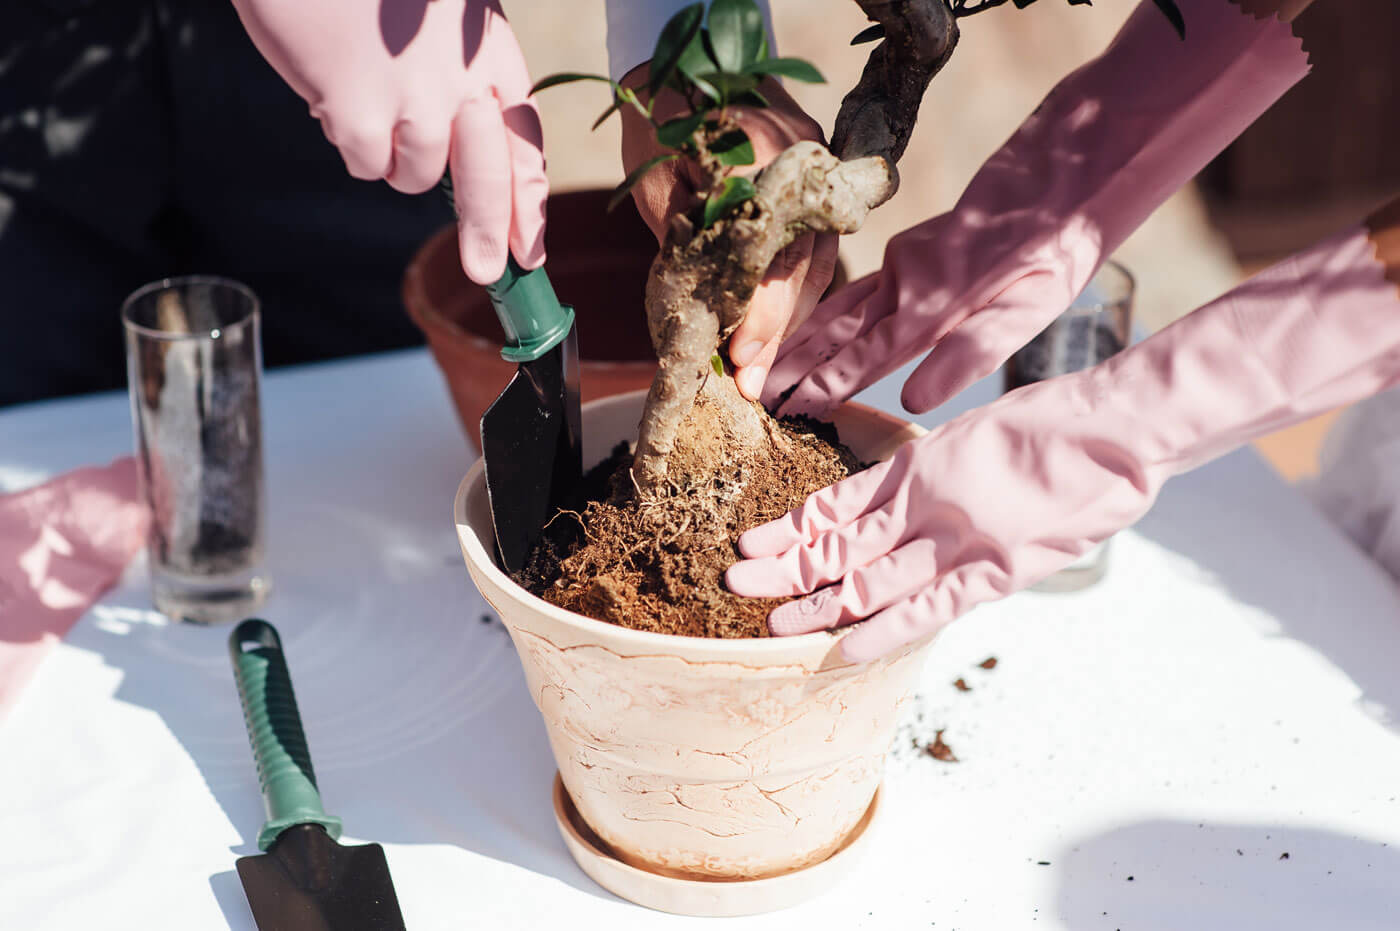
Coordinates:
(660, 566)
(940, 750)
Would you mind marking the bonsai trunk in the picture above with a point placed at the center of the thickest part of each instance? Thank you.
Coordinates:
(703, 278)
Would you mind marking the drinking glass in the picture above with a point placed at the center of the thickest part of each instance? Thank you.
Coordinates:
(1096, 326)
(194, 371)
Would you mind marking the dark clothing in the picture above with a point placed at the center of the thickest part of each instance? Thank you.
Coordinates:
(141, 139)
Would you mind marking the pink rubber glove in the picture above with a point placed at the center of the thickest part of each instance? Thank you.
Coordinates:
(1008, 494)
(62, 545)
(1109, 144)
(405, 87)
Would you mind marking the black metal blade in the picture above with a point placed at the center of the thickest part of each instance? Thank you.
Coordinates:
(531, 439)
(308, 882)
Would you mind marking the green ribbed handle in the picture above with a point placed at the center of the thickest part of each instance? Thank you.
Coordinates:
(530, 313)
(274, 730)
(525, 303)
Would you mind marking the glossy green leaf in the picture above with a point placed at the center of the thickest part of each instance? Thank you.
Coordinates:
(717, 364)
(567, 77)
(1173, 15)
(675, 133)
(675, 36)
(729, 85)
(794, 68)
(736, 32)
(733, 148)
(621, 191)
(869, 34)
(694, 62)
(734, 193)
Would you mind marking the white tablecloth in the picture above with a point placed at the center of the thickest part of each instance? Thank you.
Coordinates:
(1206, 740)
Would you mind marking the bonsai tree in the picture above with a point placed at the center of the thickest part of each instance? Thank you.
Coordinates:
(715, 252)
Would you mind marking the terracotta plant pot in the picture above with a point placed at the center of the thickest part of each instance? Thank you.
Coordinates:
(598, 263)
(693, 757)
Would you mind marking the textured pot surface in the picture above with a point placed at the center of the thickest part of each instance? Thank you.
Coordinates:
(725, 759)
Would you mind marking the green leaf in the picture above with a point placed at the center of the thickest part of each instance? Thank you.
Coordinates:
(729, 85)
(733, 148)
(616, 105)
(671, 44)
(717, 364)
(621, 191)
(694, 62)
(869, 34)
(734, 193)
(1173, 14)
(675, 133)
(752, 99)
(568, 77)
(736, 31)
(794, 68)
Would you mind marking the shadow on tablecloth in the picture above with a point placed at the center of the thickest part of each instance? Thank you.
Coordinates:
(420, 725)
(1277, 552)
(1211, 875)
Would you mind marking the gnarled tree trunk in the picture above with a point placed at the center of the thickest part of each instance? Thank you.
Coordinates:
(703, 279)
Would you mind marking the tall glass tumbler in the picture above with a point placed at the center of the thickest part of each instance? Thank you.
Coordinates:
(1096, 326)
(194, 370)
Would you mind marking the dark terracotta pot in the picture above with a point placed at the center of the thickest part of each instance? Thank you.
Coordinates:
(598, 262)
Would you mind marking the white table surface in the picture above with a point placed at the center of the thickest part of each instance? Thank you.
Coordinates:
(1229, 694)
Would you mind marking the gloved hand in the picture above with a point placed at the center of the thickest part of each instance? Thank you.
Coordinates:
(1109, 144)
(799, 274)
(1008, 494)
(403, 87)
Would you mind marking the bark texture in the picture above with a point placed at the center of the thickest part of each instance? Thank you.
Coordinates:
(702, 280)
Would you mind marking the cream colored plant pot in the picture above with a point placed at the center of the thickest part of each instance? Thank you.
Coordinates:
(692, 757)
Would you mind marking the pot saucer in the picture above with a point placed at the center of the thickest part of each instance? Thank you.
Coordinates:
(698, 897)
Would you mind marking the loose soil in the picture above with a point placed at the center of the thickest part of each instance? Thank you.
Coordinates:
(658, 564)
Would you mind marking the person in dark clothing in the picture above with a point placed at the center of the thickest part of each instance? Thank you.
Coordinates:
(141, 139)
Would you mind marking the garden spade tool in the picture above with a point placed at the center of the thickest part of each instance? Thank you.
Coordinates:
(305, 881)
(531, 435)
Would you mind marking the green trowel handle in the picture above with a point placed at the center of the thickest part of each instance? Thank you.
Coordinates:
(274, 730)
(534, 320)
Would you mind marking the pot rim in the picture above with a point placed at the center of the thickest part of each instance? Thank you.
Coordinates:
(764, 651)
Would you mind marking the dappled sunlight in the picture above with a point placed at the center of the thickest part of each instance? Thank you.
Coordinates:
(121, 620)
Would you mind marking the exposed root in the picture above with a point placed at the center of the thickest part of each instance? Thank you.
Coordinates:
(702, 281)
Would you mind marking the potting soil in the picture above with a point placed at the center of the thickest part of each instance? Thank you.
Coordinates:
(658, 564)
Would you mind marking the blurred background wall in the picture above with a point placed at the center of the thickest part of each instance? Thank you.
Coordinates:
(1324, 155)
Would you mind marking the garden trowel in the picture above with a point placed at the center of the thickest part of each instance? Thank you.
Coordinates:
(531, 435)
(305, 881)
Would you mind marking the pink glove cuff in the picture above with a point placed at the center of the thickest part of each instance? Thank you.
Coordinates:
(1317, 331)
(1153, 110)
(1107, 146)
